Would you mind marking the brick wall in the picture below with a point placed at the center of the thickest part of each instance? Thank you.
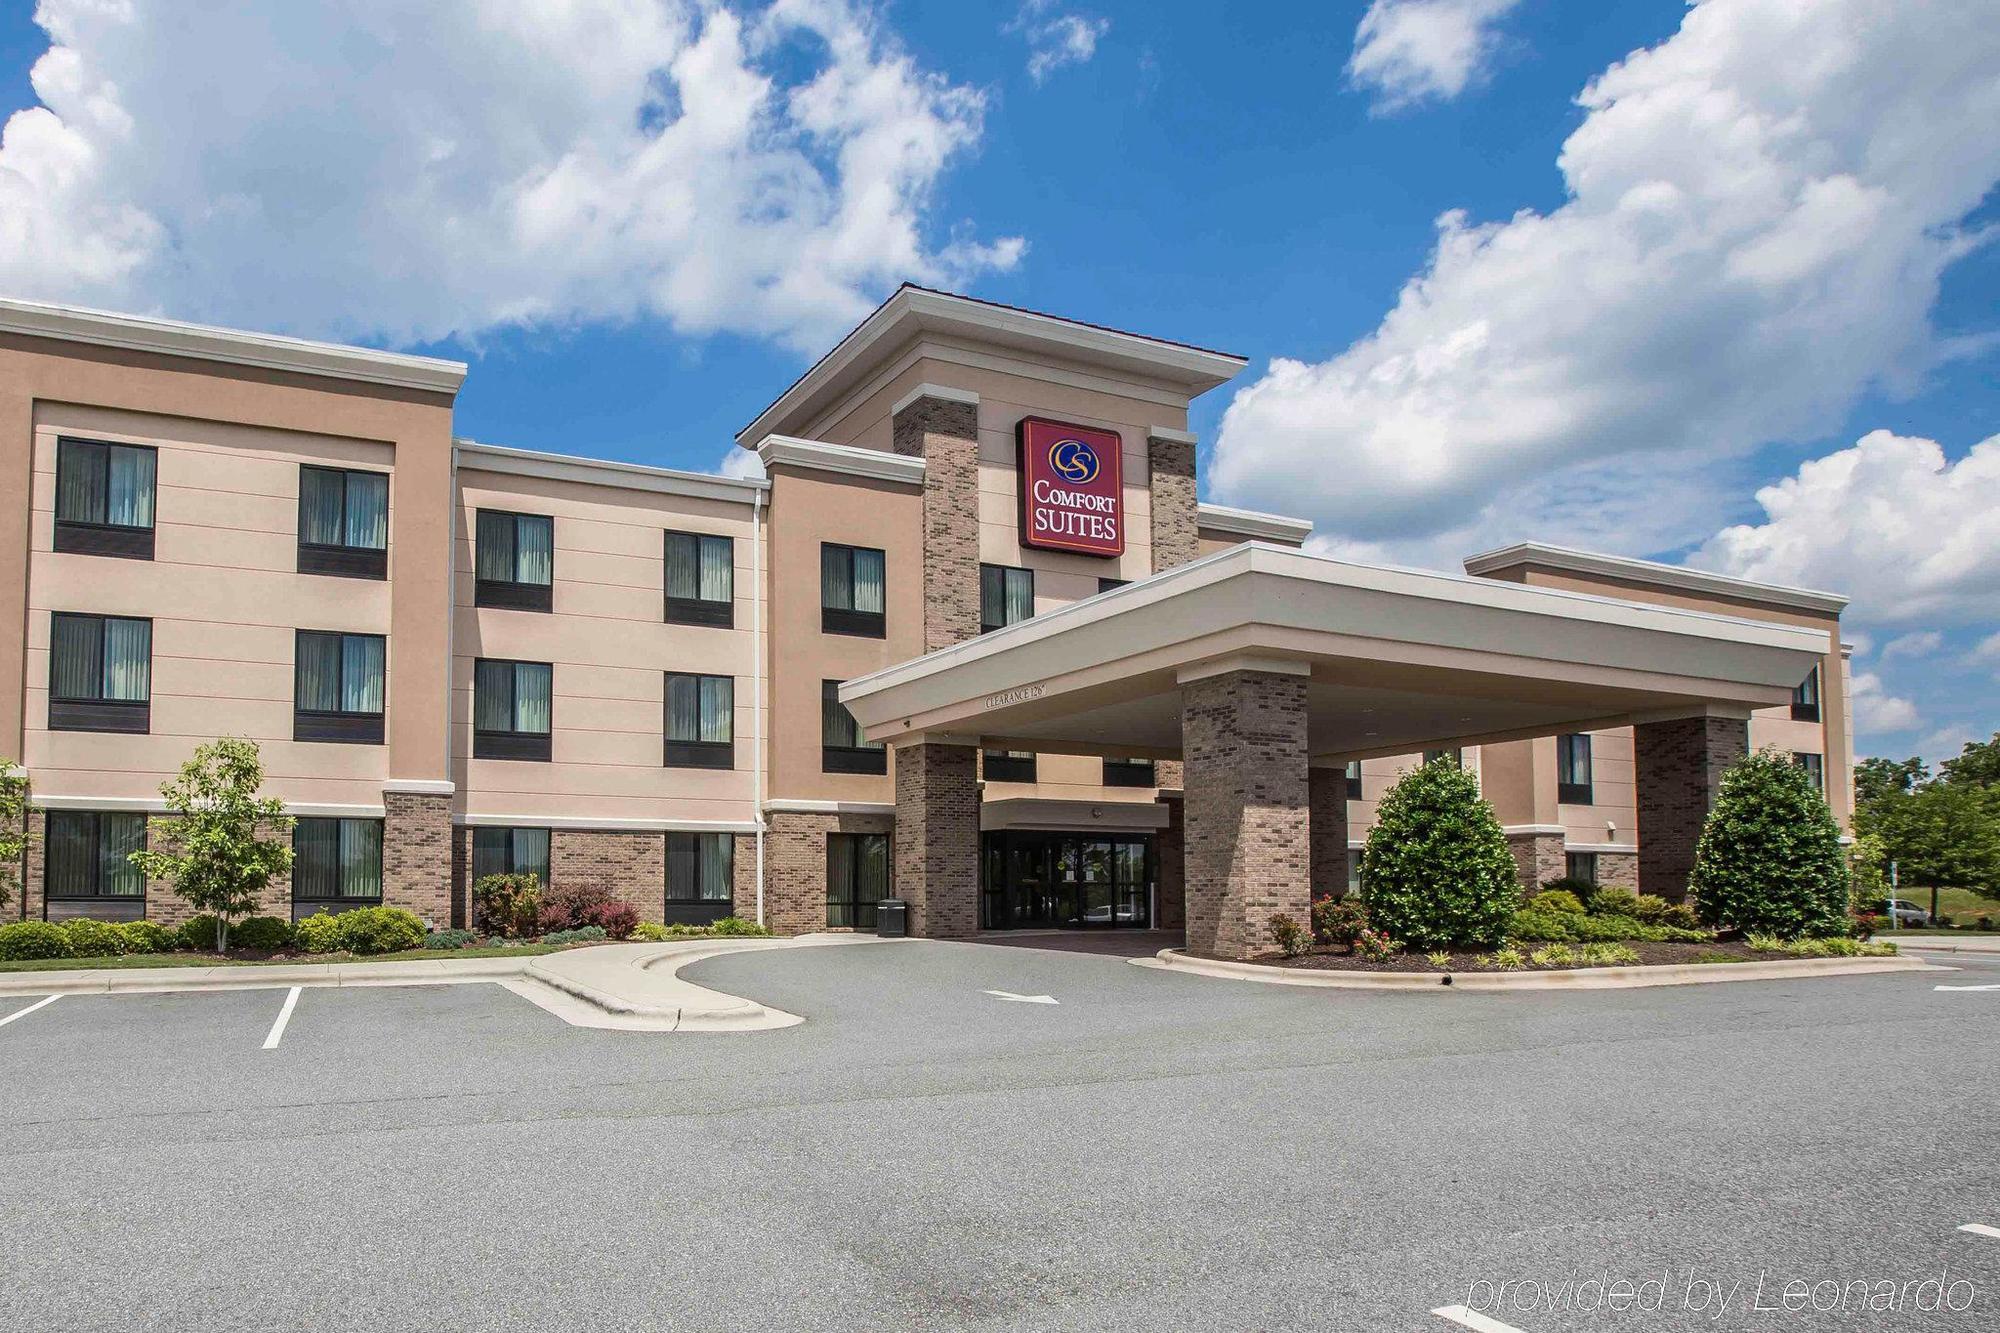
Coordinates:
(795, 867)
(632, 867)
(417, 855)
(1328, 819)
(1619, 869)
(1175, 518)
(937, 838)
(1538, 858)
(1679, 765)
(946, 436)
(162, 903)
(1170, 864)
(1248, 836)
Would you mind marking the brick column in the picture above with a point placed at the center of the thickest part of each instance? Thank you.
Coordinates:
(1538, 858)
(1170, 465)
(1243, 742)
(937, 838)
(416, 854)
(29, 905)
(1328, 819)
(1170, 862)
(1678, 766)
(944, 432)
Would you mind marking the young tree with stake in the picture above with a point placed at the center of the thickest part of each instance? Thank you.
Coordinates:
(217, 858)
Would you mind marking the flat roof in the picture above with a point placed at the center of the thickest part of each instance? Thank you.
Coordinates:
(1677, 577)
(603, 472)
(238, 347)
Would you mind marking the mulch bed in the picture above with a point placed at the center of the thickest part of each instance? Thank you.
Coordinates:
(1660, 953)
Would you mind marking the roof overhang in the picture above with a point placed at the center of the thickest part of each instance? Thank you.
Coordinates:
(1251, 524)
(1395, 660)
(1652, 573)
(1030, 812)
(916, 311)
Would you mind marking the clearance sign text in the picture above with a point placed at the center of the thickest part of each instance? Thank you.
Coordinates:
(1072, 488)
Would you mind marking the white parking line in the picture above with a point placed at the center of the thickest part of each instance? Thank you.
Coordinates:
(23, 1013)
(1472, 1319)
(1023, 999)
(284, 1017)
(1978, 1230)
(1965, 988)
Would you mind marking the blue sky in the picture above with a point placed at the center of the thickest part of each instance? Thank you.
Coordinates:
(1266, 180)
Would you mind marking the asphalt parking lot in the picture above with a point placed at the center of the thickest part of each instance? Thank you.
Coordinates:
(1150, 1151)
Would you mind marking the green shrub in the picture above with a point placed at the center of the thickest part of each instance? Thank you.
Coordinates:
(93, 939)
(736, 925)
(379, 930)
(1508, 958)
(507, 905)
(1582, 890)
(449, 939)
(1680, 916)
(318, 933)
(581, 935)
(1532, 925)
(264, 934)
(1770, 858)
(147, 937)
(649, 932)
(197, 933)
(1291, 938)
(1553, 955)
(1436, 870)
(1608, 955)
(1375, 946)
(1614, 900)
(1438, 958)
(1557, 900)
(23, 940)
(1336, 921)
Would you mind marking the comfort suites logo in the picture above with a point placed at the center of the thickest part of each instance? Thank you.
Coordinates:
(1072, 491)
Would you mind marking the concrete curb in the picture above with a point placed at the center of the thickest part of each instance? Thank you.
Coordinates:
(1583, 978)
(1944, 944)
(162, 980)
(637, 988)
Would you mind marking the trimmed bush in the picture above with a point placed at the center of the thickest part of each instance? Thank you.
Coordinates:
(379, 930)
(616, 919)
(24, 940)
(93, 939)
(736, 925)
(449, 939)
(1336, 921)
(507, 904)
(573, 906)
(1375, 946)
(1582, 889)
(197, 933)
(318, 933)
(264, 934)
(649, 932)
(1770, 858)
(1291, 938)
(1436, 870)
(1533, 926)
(147, 937)
(1557, 900)
(1614, 900)
(581, 935)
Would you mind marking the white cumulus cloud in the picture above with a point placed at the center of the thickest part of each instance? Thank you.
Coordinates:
(1876, 710)
(1920, 643)
(1759, 212)
(1410, 51)
(373, 168)
(1055, 40)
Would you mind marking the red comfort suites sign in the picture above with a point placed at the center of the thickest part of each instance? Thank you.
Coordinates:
(1072, 488)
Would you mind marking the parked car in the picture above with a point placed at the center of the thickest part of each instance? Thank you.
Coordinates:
(1908, 913)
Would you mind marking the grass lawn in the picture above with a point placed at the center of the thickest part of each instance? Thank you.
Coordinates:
(1961, 905)
(213, 960)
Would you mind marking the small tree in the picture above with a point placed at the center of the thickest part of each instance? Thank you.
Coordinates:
(1436, 870)
(13, 827)
(216, 858)
(1770, 859)
(1867, 878)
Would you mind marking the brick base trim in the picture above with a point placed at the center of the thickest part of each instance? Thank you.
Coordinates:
(416, 855)
(1329, 832)
(795, 867)
(1538, 858)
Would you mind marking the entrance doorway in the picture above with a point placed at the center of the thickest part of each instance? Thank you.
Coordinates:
(1065, 881)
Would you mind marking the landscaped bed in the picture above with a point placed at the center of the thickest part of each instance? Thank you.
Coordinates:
(1558, 957)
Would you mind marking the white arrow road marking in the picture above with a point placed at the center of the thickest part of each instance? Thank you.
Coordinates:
(1978, 1230)
(23, 1013)
(284, 1017)
(1023, 999)
(1965, 988)
(1472, 1319)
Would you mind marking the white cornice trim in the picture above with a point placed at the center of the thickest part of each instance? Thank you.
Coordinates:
(1037, 812)
(940, 391)
(1173, 435)
(830, 807)
(202, 342)
(1249, 523)
(1605, 848)
(598, 824)
(1539, 830)
(1678, 577)
(153, 805)
(600, 472)
(1221, 666)
(877, 464)
(419, 787)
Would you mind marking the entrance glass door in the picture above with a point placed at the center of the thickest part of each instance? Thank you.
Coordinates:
(1065, 880)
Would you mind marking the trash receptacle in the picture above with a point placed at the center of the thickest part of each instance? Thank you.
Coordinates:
(892, 918)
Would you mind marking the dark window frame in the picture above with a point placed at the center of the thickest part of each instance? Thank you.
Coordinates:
(512, 857)
(535, 746)
(987, 626)
(1582, 866)
(1353, 774)
(131, 717)
(340, 560)
(1807, 698)
(125, 541)
(684, 753)
(335, 903)
(846, 619)
(697, 610)
(1005, 766)
(686, 849)
(1129, 772)
(861, 759)
(1814, 764)
(1570, 791)
(337, 725)
(860, 911)
(97, 904)
(512, 594)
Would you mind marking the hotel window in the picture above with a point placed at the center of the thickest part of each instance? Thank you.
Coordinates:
(1457, 756)
(701, 877)
(1573, 784)
(104, 498)
(701, 721)
(89, 871)
(1354, 870)
(1580, 866)
(514, 561)
(1354, 779)
(701, 580)
(1805, 699)
(336, 864)
(1128, 772)
(1008, 765)
(100, 673)
(857, 878)
(343, 522)
(510, 851)
(841, 747)
(1006, 596)
(1815, 767)
(850, 590)
(1107, 584)
(337, 687)
(512, 707)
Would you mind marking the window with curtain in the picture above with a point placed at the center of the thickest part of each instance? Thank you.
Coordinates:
(842, 747)
(510, 851)
(1006, 596)
(512, 708)
(1815, 767)
(1581, 866)
(1805, 698)
(857, 878)
(1007, 765)
(343, 522)
(336, 863)
(100, 673)
(337, 687)
(88, 861)
(1573, 777)
(701, 877)
(1128, 773)
(701, 579)
(514, 560)
(104, 498)
(1354, 779)
(701, 721)
(851, 590)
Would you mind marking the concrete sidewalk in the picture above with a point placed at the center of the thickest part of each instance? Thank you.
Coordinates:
(1981, 944)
